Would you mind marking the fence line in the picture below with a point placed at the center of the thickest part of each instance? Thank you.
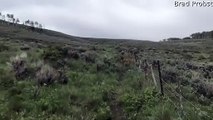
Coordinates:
(196, 108)
(178, 96)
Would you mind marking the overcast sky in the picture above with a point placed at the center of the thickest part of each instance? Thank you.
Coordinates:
(130, 19)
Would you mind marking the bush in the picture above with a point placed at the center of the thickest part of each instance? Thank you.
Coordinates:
(103, 113)
(164, 114)
(15, 104)
(19, 65)
(150, 97)
(53, 53)
(89, 57)
(3, 48)
(170, 75)
(106, 67)
(6, 80)
(211, 57)
(187, 56)
(14, 100)
(46, 75)
(54, 102)
(201, 57)
(206, 89)
(126, 59)
(73, 54)
(132, 102)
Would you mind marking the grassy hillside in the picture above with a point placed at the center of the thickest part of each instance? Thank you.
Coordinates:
(50, 75)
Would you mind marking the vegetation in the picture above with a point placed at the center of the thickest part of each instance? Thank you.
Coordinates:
(194, 36)
(203, 35)
(9, 18)
(56, 76)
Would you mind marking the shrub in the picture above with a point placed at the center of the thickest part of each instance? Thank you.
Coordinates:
(187, 56)
(13, 92)
(46, 75)
(103, 113)
(170, 75)
(63, 79)
(15, 104)
(19, 65)
(14, 100)
(73, 54)
(25, 48)
(204, 88)
(89, 57)
(132, 102)
(150, 97)
(6, 80)
(164, 115)
(211, 57)
(53, 53)
(126, 59)
(54, 101)
(3, 48)
(106, 67)
(201, 57)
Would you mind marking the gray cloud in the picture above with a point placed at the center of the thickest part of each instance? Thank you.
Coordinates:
(134, 19)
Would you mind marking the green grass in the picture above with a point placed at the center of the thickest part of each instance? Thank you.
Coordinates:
(91, 94)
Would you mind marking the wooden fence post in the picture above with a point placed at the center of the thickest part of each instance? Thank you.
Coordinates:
(146, 66)
(153, 76)
(161, 83)
(180, 97)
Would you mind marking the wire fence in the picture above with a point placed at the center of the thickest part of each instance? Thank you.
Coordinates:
(174, 96)
(189, 102)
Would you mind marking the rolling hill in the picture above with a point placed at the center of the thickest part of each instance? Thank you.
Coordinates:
(50, 75)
